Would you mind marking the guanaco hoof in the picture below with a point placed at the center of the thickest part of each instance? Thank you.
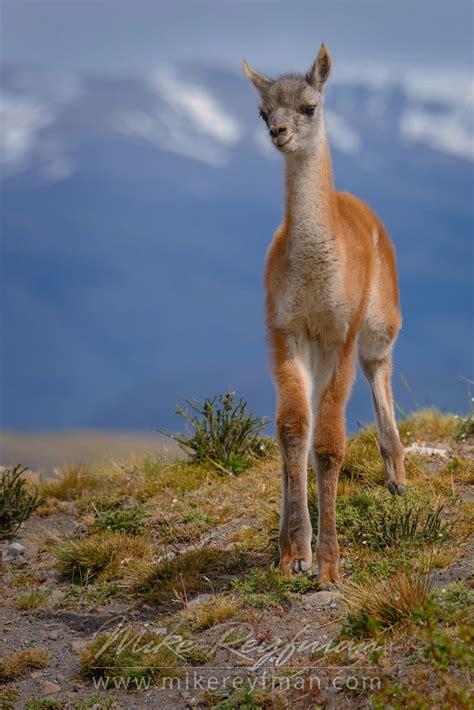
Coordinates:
(300, 565)
(395, 489)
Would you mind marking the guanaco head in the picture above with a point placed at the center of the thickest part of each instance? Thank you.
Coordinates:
(291, 105)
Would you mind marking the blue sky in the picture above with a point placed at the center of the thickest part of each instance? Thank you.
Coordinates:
(118, 36)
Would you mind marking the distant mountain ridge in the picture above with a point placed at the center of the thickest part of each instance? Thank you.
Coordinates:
(136, 215)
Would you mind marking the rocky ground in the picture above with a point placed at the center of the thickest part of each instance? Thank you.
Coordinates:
(160, 577)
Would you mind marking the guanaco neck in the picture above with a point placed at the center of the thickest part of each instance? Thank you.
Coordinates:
(309, 188)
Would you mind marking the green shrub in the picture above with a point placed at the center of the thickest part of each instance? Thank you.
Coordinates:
(223, 433)
(17, 503)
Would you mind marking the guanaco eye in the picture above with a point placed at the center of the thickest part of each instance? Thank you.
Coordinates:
(263, 115)
(309, 110)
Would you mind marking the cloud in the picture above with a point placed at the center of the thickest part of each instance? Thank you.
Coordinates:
(437, 109)
(342, 136)
(440, 112)
(444, 131)
(22, 119)
(188, 120)
(32, 103)
(197, 105)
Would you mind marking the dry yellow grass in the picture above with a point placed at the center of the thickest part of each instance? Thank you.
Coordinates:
(21, 662)
(182, 576)
(102, 555)
(203, 614)
(70, 483)
(429, 425)
(386, 603)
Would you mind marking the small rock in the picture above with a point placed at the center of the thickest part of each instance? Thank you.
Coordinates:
(200, 598)
(37, 674)
(319, 599)
(16, 548)
(53, 634)
(49, 687)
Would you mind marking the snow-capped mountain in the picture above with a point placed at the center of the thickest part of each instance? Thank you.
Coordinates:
(136, 215)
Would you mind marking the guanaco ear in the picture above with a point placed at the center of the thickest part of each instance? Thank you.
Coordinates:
(321, 68)
(260, 81)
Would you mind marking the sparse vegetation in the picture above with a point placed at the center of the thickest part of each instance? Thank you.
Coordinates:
(21, 662)
(17, 502)
(223, 433)
(152, 535)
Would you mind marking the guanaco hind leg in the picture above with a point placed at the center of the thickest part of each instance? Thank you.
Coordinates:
(378, 374)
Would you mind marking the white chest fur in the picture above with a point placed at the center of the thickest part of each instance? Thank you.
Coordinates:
(310, 293)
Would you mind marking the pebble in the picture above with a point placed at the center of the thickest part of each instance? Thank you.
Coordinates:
(200, 598)
(319, 599)
(53, 635)
(16, 548)
(50, 687)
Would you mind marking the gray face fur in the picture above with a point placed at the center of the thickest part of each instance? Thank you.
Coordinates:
(291, 105)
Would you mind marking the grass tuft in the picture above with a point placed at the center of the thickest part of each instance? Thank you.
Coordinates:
(262, 588)
(380, 604)
(209, 612)
(428, 425)
(180, 577)
(71, 483)
(103, 555)
(128, 655)
(464, 428)
(37, 703)
(32, 600)
(20, 663)
(377, 520)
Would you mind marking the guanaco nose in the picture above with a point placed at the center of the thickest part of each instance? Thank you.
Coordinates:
(278, 130)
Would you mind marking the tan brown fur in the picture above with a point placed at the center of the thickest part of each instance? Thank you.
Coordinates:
(331, 288)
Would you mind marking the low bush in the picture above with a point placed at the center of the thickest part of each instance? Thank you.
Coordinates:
(223, 433)
(17, 502)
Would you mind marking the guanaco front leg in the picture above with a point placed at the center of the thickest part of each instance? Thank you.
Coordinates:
(293, 421)
(329, 443)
